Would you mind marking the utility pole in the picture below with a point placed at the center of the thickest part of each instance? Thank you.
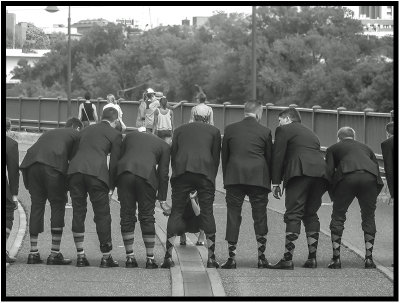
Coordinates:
(254, 61)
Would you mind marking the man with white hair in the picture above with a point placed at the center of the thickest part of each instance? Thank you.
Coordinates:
(354, 173)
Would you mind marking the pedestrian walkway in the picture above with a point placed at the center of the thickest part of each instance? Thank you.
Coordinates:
(190, 277)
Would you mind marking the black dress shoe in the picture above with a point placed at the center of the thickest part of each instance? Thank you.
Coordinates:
(108, 262)
(199, 243)
(229, 264)
(131, 262)
(58, 260)
(151, 264)
(212, 263)
(310, 263)
(81, 261)
(369, 263)
(183, 243)
(335, 264)
(34, 259)
(168, 263)
(262, 263)
(9, 259)
(282, 264)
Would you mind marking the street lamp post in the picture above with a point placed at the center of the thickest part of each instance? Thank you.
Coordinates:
(53, 9)
(254, 62)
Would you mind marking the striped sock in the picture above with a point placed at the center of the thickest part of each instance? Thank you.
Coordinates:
(106, 255)
(336, 240)
(149, 241)
(289, 245)
(56, 235)
(312, 242)
(8, 231)
(369, 244)
(128, 238)
(232, 249)
(211, 246)
(78, 239)
(169, 246)
(261, 242)
(34, 243)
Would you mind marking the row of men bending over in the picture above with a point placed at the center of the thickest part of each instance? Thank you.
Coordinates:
(66, 159)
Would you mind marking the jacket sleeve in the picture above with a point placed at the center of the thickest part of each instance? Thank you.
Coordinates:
(13, 169)
(75, 145)
(174, 147)
(114, 157)
(162, 171)
(278, 155)
(330, 169)
(225, 151)
(216, 152)
(387, 154)
(268, 152)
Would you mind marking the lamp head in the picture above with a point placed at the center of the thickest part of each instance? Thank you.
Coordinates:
(52, 9)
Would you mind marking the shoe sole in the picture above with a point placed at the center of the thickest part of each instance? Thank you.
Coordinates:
(50, 263)
(32, 263)
(131, 266)
(234, 267)
(335, 267)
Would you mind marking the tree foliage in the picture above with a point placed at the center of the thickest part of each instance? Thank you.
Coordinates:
(315, 55)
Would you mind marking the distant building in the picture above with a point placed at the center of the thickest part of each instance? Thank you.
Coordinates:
(186, 22)
(199, 21)
(10, 25)
(84, 26)
(60, 28)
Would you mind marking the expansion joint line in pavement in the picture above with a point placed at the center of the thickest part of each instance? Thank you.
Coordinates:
(20, 233)
(387, 272)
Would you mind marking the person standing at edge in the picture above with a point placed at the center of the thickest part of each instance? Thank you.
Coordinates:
(246, 163)
(142, 173)
(354, 172)
(87, 112)
(387, 153)
(298, 160)
(12, 183)
(44, 170)
(195, 156)
(88, 174)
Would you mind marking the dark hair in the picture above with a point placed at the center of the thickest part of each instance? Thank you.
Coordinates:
(389, 128)
(202, 97)
(252, 106)
(74, 123)
(292, 113)
(8, 124)
(346, 132)
(162, 99)
(110, 114)
(87, 96)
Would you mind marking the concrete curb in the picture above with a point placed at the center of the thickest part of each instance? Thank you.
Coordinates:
(20, 234)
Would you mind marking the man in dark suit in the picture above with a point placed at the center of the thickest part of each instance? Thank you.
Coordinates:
(297, 159)
(387, 153)
(142, 177)
(12, 183)
(246, 163)
(44, 170)
(354, 172)
(195, 155)
(88, 174)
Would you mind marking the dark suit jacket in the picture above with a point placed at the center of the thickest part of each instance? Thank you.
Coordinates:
(54, 148)
(95, 143)
(348, 156)
(296, 152)
(196, 148)
(12, 163)
(147, 156)
(387, 153)
(246, 154)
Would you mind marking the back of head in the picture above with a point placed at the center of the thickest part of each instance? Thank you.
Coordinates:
(110, 98)
(8, 124)
(346, 132)
(292, 113)
(202, 97)
(390, 128)
(252, 107)
(163, 102)
(110, 114)
(87, 96)
(74, 123)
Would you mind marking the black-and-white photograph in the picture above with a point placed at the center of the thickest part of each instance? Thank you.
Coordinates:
(198, 152)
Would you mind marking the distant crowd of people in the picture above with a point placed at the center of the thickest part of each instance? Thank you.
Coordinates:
(75, 159)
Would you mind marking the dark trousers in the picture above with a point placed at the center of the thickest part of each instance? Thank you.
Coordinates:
(258, 197)
(9, 213)
(362, 186)
(302, 201)
(46, 183)
(181, 187)
(80, 185)
(132, 189)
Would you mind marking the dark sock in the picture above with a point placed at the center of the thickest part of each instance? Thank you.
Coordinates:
(232, 249)
(289, 245)
(336, 241)
(261, 242)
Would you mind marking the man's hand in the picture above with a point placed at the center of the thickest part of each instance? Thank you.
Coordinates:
(165, 207)
(15, 200)
(276, 191)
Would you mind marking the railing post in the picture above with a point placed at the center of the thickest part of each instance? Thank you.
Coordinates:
(391, 115)
(20, 113)
(98, 108)
(339, 109)
(314, 108)
(182, 102)
(40, 108)
(224, 112)
(367, 110)
(266, 111)
(58, 111)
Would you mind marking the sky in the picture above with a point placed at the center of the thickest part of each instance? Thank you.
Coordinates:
(155, 15)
